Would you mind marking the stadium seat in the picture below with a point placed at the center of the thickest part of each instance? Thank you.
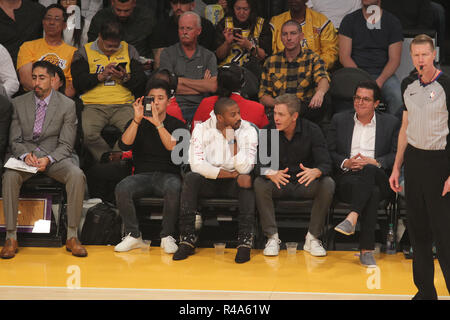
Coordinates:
(342, 86)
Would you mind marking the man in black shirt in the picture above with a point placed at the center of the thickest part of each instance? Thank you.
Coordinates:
(150, 138)
(371, 39)
(166, 32)
(137, 24)
(300, 172)
(20, 21)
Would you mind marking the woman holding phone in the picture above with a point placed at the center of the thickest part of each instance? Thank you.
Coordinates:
(243, 37)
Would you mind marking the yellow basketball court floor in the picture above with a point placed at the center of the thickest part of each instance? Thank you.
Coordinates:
(53, 273)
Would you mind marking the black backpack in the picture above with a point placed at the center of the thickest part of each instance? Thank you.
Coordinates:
(102, 226)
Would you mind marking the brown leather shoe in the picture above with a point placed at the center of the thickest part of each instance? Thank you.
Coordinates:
(73, 245)
(10, 249)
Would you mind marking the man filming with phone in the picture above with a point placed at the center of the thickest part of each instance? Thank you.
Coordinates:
(149, 136)
(107, 75)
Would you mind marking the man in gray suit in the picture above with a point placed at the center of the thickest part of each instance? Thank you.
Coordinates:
(42, 134)
(362, 145)
(5, 120)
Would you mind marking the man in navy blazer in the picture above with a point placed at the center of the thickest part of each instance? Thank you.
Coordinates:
(362, 145)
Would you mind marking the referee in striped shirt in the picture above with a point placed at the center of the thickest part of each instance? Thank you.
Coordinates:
(424, 147)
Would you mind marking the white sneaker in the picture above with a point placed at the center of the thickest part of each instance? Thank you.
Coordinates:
(272, 247)
(314, 247)
(129, 243)
(168, 244)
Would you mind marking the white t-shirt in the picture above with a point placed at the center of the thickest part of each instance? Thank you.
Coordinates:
(335, 10)
(8, 76)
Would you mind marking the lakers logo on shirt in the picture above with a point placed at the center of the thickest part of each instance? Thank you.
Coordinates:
(53, 58)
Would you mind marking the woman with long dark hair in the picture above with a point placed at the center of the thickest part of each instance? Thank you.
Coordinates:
(76, 37)
(243, 37)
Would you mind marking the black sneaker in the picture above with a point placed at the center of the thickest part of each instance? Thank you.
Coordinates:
(243, 254)
(184, 250)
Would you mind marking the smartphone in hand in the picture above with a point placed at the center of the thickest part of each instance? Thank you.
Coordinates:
(147, 102)
(236, 32)
(122, 64)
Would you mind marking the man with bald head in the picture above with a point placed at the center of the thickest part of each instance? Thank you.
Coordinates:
(166, 30)
(194, 65)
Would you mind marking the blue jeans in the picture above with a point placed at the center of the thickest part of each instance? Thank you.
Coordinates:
(392, 95)
(159, 184)
(188, 112)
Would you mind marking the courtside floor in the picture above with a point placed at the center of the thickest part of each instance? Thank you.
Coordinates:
(53, 273)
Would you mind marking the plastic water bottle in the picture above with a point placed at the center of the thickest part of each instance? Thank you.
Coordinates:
(390, 240)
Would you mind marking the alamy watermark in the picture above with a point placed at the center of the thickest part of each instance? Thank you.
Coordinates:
(264, 149)
(74, 19)
(374, 280)
(374, 20)
(74, 279)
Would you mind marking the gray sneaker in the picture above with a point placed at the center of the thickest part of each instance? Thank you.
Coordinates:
(345, 227)
(367, 260)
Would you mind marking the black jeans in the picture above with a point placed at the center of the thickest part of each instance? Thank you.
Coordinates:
(160, 184)
(428, 214)
(364, 189)
(196, 186)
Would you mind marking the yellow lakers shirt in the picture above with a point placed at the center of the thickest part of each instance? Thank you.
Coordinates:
(319, 35)
(36, 50)
(111, 91)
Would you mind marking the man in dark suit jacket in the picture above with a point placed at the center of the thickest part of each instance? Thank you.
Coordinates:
(363, 145)
(42, 134)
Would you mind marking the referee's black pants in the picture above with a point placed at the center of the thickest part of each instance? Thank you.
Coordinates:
(363, 190)
(428, 216)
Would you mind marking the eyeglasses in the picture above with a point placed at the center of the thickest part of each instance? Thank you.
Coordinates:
(363, 99)
(51, 18)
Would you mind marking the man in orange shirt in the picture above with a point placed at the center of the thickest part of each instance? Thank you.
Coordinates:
(51, 48)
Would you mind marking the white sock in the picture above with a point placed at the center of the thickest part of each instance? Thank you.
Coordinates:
(309, 236)
(274, 236)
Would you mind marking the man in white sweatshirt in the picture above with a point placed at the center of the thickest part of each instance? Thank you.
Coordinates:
(222, 155)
